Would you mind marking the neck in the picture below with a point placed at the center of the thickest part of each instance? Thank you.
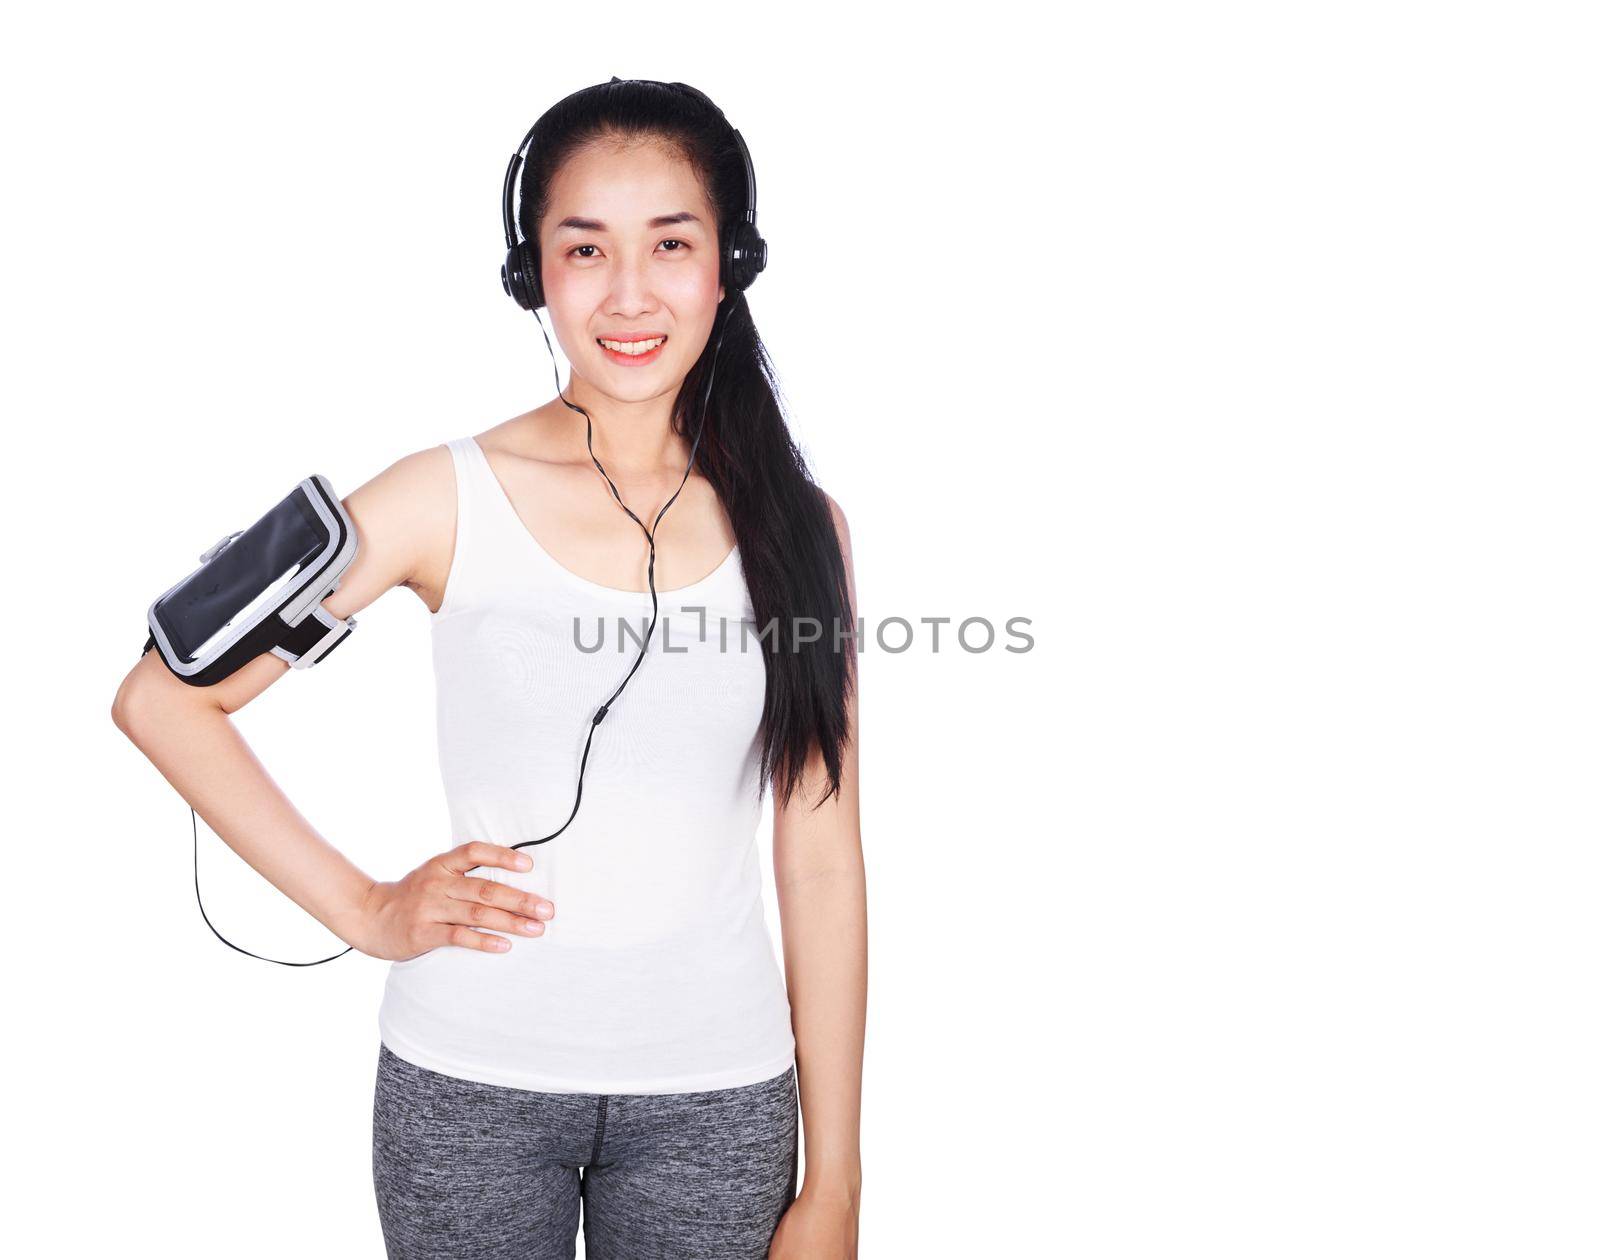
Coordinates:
(630, 438)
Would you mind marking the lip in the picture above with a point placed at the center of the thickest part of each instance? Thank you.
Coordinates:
(633, 360)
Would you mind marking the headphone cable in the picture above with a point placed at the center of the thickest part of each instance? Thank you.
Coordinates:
(649, 535)
(604, 708)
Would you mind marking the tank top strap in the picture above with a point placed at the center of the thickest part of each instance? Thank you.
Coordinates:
(493, 507)
(501, 533)
(466, 478)
(489, 552)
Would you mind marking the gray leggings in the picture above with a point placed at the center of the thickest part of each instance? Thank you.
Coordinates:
(463, 1169)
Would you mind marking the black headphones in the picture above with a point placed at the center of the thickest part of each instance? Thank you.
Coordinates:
(744, 253)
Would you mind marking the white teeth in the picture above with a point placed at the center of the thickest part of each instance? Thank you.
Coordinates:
(631, 347)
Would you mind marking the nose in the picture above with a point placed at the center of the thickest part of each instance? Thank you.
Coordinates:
(630, 287)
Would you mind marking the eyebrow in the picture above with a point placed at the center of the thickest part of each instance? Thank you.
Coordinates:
(594, 225)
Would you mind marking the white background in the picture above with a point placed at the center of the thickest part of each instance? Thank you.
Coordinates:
(1247, 349)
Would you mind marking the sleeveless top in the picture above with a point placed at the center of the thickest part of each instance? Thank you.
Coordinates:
(657, 973)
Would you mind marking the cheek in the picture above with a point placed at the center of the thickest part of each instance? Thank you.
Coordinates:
(570, 300)
(693, 294)
(564, 287)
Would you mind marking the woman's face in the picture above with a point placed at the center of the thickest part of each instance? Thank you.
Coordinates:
(628, 253)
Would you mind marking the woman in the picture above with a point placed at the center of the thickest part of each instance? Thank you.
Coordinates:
(597, 1016)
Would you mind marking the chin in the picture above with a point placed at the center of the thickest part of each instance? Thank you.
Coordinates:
(634, 384)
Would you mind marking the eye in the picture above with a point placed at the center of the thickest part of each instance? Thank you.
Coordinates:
(671, 240)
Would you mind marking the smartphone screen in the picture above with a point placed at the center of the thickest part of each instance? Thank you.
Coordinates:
(251, 571)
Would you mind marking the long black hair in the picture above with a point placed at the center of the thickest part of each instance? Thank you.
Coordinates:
(793, 566)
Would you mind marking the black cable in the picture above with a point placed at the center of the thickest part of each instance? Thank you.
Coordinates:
(195, 824)
(649, 534)
(604, 708)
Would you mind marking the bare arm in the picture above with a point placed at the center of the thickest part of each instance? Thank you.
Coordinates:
(195, 745)
(187, 732)
(822, 899)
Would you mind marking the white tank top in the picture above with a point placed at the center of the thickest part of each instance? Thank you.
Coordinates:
(658, 973)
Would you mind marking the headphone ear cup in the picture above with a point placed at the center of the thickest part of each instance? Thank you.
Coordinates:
(530, 276)
(519, 277)
(747, 256)
(509, 281)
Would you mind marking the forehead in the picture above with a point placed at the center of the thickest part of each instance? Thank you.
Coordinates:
(625, 184)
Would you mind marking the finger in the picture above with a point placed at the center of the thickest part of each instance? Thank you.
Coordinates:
(530, 905)
(464, 857)
(456, 934)
(485, 903)
(477, 914)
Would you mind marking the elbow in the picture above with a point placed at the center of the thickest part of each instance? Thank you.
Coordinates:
(130, 706)
(122, 706)
(844, 877)
(150, 698)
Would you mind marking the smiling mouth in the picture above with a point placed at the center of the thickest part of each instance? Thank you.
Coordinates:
(631, 347)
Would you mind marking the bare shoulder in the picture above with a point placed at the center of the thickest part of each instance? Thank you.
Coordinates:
(540, 436)
(842, 528)
(840, 524)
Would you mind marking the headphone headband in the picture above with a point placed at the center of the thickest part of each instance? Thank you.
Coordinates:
(511, 174)
(744, 253)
